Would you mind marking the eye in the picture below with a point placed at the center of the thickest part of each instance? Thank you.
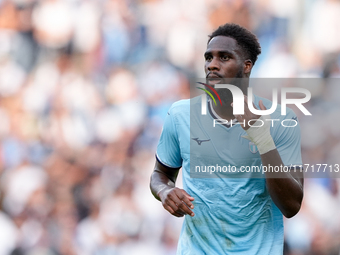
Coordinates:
(225, 58)
(208, 58)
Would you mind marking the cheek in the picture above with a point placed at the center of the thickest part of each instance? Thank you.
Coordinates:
(230, 68)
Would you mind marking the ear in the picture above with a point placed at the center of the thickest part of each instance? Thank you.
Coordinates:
(247, 66)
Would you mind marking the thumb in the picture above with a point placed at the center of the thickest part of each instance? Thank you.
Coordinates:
(262, 107)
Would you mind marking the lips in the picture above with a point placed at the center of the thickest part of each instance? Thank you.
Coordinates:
(212, 75)
(214, 78)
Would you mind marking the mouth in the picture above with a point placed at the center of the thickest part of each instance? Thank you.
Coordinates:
(213, 75)
(214, 78)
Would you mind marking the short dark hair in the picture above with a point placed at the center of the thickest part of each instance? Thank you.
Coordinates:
(246, 39)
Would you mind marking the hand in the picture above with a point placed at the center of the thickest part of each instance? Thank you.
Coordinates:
(176, 201)
(248, 115)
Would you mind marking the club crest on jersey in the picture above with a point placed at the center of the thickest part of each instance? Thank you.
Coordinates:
(253, 147)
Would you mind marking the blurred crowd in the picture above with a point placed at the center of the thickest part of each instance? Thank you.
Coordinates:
(84, 90)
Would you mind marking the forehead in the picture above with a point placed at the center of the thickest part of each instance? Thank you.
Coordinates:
(223, 43)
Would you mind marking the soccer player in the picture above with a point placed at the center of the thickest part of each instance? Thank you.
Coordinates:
(228, 215)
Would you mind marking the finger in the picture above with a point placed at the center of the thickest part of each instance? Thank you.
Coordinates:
(262, 107)
(178, 199)
(245, 100)
(178, 215)
(174, 206)
(183, 208)
(239, 118)
(255, 106)
(188, 196)
(247, 112)
(177, 205)
(187, 202)
(183, 196)
(182, 205)
(170, 210)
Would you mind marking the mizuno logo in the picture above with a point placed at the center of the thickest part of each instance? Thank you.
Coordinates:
(200, 141)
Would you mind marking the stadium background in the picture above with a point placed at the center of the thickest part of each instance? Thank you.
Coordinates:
(85, 86)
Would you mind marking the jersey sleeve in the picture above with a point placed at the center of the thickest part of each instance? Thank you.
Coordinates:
(168, 149)
(288, 140)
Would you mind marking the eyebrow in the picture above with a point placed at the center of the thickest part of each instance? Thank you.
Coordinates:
(208, 52)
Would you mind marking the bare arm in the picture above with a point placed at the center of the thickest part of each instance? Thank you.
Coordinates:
(287, 190)
(162, 184)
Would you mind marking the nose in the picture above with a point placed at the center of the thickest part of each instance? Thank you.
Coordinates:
(213, 65)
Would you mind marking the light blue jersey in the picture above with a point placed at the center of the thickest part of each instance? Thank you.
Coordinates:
(232, 215)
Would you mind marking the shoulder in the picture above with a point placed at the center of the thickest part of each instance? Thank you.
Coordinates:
(182, 107)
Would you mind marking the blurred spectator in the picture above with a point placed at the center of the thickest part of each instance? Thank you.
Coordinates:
(85, 87)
